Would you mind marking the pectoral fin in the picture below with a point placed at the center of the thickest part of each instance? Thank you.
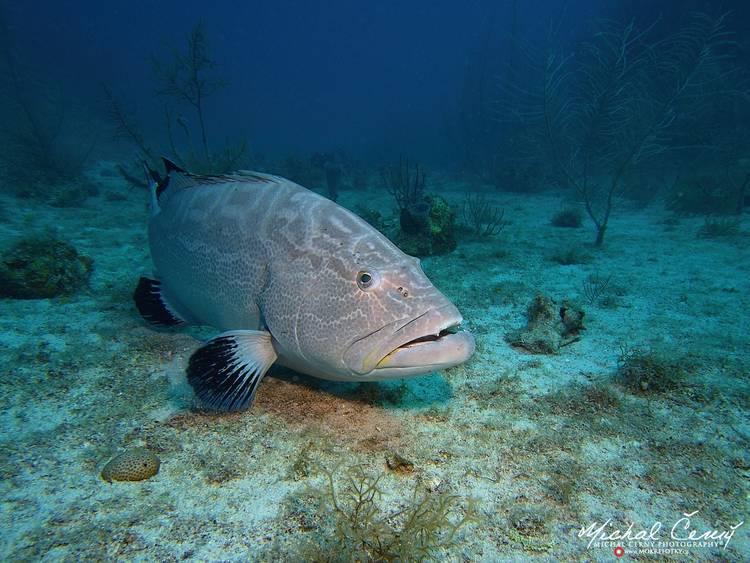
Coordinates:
(153, 305)
(226, 371)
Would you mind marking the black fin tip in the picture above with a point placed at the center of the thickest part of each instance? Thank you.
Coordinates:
(220, 377)
(151, 305)
(170, 166)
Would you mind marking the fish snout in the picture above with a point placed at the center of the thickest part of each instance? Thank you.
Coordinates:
(426, 342)
(430, 342)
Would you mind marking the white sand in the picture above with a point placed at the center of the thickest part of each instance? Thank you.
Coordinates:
(83, 378)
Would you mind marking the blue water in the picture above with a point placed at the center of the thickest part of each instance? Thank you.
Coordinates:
(573, 176)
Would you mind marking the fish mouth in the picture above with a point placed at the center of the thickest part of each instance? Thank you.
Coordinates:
(430, 342)
(453, 329)
(448, 346)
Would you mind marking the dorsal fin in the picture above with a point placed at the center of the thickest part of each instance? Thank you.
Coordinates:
(177, 178)
(170, 166)
(153, 181)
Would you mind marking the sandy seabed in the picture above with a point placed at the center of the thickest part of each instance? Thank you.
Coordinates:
(545, 445)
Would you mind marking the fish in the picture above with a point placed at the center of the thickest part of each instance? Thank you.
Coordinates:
(286, 276)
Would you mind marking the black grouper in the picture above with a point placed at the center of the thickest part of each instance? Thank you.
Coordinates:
(287, 276)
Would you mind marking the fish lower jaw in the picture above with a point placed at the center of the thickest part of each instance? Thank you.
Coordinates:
(420, 344)
(427, 354)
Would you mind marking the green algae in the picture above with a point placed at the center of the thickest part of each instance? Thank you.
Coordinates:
(438, 235)
(364, 528)
(652, 371)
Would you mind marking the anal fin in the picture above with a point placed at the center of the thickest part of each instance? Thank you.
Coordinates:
(152, 305)
(226, 371)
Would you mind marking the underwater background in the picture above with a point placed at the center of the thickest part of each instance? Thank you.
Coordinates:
(574, 176)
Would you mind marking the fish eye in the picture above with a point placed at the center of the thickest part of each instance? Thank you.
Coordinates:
(367, 280)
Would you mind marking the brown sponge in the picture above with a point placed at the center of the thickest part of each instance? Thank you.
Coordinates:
(135, 464)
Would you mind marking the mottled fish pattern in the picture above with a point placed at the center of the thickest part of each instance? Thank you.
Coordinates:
(256, 254)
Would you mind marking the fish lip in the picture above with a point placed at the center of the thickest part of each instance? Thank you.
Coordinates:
(415, 345)
(434, 355)
(436, 347)
(443, 331)
(428, 342)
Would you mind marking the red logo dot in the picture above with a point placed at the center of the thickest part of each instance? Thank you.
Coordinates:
(619, 551)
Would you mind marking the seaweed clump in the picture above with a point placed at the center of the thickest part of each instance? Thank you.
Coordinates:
(568, 218)
(570, 256)
(433, 232)
(481, 217)
(365, 531)
(40, 267)
(549, 326)
(700, 196)
(650, 371)
(719, 228)
(529, 528)
(427, 221)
